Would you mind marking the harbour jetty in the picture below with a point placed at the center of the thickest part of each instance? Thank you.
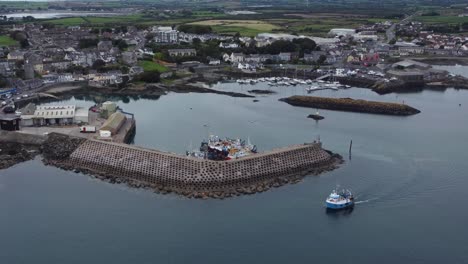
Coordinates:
(198, 178)
(351, 105)
(256, 91)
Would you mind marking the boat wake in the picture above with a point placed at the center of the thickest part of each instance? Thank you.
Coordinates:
(365, 201)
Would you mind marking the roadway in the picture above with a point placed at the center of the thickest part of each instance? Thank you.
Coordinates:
(391, 34)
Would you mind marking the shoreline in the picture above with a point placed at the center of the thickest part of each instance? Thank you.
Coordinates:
(148, 90)
(444, 61)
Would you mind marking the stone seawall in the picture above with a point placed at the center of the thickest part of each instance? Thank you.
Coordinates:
(167, 172)
(21, 138)
(351, 105)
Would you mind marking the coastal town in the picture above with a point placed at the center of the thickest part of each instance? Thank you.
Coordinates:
(47, 62)
(245, 131)
(129, 56)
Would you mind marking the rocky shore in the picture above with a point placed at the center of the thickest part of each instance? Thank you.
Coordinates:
(261, 91)
(351, 105)
(145, 90)
(14, 153)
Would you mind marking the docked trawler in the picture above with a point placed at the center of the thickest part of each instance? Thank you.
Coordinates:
(340, 200)
(223, 149)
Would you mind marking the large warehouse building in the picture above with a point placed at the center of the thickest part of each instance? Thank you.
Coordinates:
(53, 115)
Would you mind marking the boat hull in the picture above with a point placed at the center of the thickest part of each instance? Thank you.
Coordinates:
(339, 206)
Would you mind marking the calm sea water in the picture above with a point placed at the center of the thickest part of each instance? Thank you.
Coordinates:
(409, 175)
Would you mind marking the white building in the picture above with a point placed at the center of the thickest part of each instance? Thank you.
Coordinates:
(165, 35)
(228, 45)
(341, 32)
(237, 57)
(55, 115)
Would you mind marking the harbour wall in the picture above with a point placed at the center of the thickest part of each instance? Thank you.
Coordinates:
(168, 172)
(351, 105)
(21, 138)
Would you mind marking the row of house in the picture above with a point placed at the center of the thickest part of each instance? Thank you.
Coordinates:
(240, 57)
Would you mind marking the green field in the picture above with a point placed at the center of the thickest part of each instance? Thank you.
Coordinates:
(75, 21)
(25, 4)
(7, 41)
(152, 66)
(442, 19)
(207, 14)
(315, 24)
(70, 21)
(115, 19)
(244, 27)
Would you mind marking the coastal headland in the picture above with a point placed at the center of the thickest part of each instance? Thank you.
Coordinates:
(351, 105)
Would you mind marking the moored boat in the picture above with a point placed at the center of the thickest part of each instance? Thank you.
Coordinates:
(223, 149)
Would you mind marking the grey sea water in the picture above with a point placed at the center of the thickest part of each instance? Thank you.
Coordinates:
(409, 175)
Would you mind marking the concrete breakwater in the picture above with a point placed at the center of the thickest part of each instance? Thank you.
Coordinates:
(168, 172)
(351, 105)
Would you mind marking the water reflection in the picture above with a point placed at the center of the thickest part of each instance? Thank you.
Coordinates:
(339, 213)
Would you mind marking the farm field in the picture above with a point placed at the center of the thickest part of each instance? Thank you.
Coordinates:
(442, 19)
(75, 21)
(69, 21)
(244, 27)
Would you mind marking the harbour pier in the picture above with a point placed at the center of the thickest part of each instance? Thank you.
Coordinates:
(193, 177)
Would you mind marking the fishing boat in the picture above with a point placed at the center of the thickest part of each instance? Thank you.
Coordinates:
(340, 200)
(223, 149)
(316, 116)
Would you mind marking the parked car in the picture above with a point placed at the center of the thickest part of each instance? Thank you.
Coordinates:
(9, 110)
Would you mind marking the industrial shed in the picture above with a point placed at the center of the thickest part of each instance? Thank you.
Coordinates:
(114, 123)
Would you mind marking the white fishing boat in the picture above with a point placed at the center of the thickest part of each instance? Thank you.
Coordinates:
(223, 149)
(339, 200)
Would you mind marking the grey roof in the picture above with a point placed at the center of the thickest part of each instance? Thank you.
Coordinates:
(409, 63)
(405, 73)
(181, 50)
(29, 109)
